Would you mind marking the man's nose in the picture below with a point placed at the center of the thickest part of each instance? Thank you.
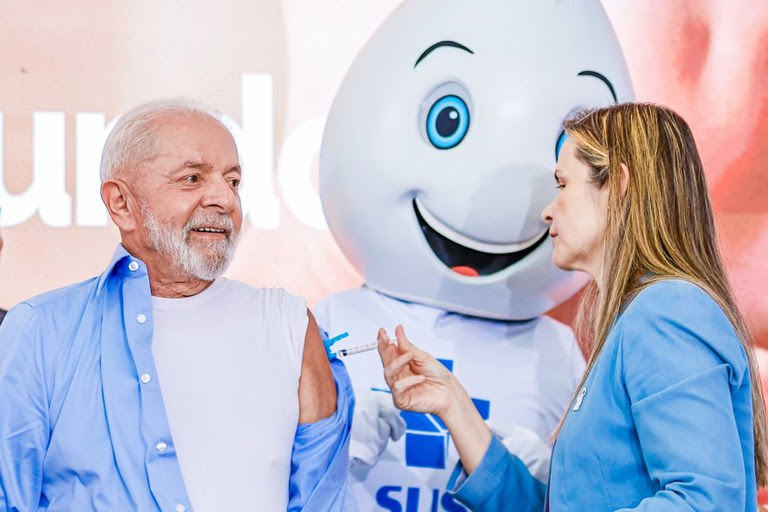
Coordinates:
(220, 194)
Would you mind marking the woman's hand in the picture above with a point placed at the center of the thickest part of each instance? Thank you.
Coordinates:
(418, 381)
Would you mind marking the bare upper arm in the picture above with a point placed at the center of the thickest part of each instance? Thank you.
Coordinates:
(317, 390)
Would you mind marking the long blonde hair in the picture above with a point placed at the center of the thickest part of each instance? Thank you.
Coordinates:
(659, 227)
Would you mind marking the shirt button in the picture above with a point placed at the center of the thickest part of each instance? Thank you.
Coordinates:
(145, 378)
(180, 508)
(141, 318)
(133, 266)
(161, 446)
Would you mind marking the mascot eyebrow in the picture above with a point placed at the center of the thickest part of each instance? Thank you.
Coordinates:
(603, 79)
(452, 44)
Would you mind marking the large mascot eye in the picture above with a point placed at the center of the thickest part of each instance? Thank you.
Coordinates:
(447, 122)
(444, 115)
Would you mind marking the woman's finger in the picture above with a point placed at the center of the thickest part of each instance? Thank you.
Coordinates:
(402, 340)
(387, 350)
(394, 368)
(406, 383)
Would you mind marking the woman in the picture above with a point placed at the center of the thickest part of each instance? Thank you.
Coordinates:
(669, 414)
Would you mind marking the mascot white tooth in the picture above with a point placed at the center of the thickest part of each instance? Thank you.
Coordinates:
(436, 162)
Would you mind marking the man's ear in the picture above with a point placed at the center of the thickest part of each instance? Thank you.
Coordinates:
(624, 179)
(121, 204)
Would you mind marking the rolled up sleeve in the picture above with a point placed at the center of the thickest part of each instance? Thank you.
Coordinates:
(500, 482)
(320, 458)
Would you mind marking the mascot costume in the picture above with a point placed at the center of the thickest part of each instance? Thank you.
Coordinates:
(437, 159)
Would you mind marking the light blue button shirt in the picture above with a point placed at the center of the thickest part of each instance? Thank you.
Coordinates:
(81, 430)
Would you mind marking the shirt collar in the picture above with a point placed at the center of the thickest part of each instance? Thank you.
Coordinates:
(119, 255)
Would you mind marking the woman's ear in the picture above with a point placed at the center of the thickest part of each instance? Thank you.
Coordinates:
(624, 179)
(120, 203)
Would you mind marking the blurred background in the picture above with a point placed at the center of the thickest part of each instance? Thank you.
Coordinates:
(67, 68)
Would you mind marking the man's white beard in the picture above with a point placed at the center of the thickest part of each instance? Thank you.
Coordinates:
(174, 243)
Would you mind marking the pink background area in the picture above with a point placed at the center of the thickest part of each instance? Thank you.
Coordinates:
(707, 59)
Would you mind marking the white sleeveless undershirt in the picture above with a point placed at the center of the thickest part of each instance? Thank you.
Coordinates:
(228, 363)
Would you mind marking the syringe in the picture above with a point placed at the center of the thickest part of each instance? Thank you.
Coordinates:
(356, 350)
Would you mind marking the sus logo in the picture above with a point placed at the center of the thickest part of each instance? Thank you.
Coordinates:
(426, 437)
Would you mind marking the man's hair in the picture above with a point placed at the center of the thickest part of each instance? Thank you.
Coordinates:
(133, 137)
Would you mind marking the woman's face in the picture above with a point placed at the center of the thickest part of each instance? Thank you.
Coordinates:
(577, 216)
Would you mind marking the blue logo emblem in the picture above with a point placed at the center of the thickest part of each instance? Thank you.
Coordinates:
(426, 437)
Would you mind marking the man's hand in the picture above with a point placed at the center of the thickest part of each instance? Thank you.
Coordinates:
(317, 391)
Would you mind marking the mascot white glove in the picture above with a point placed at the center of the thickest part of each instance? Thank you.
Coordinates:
(376, 420)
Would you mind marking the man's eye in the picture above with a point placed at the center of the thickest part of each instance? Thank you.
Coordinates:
(192, 178)
(234, 182)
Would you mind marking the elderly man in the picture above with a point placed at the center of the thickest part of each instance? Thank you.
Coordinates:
(160, 385)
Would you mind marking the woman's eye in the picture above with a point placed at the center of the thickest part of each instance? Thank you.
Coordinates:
(447, 122)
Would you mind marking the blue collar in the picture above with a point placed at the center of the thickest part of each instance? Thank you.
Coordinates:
(120, 255)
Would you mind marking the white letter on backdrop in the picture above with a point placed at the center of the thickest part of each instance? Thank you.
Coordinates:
(47, 193)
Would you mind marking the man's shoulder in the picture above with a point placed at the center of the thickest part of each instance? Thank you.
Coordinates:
(65, 297)
(244, 293)
(52, 310)
(50, 315)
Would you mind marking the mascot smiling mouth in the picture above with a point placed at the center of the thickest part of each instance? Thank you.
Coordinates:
(470, 257)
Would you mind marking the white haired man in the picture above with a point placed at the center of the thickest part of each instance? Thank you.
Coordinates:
(160, 385)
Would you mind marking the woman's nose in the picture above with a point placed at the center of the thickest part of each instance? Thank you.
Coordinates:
(546, 214)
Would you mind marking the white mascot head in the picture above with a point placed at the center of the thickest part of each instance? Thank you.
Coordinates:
(440, 147)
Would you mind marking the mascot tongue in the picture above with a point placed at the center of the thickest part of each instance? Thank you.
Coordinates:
(465, 271)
